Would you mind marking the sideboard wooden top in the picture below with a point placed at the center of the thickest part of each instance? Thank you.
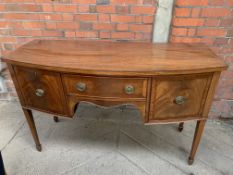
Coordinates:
(116, 58)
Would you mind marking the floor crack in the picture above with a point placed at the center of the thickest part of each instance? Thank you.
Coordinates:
(4, 147)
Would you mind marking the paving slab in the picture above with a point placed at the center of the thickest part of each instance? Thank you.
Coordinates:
(113, 141)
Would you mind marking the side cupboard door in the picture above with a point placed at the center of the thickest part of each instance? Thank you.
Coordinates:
(41, 89)
(178, 97)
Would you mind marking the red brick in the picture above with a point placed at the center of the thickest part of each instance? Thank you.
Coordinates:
(142, 10)
(86, 34)
(124, 2)
(221, 41)
(191, 32)
(23, 7)
(65, 8)
(47, 7)
(39, 1)
(103, 26)
(143, 37)
(85, 26)
(179, 31)
(141, 28)
(207, 40)
(122, 27)
(67, 17)
(229, 2)
(148, 19)
(211, 22)
(86, 17)
(24, 40)
(69, 34)
(211, 32)
(67, 25)
(52, 33)
(192, 2)
(84, 1)
(4, 24)
(149, 2)
(2, 7)
(33, 24)
(4, 32)
(216, 2)
(7, 39)
(122, 35)
(231, 41)
(228, 59)
(105, 9)
(185, 40)
(215, 12)
(51, 25)
(92, 9)
(104, 17)
(122, 18)
(196, 12)
(105, 34)
(83, 9)
(21, 16)
(15, 16)
(185, 12)
(138, 19)
(122, 9)
(20, 32)
(188, 22)
(16, 24)
(33, 16)
(36, 33)
(49, 17)
(227, 22)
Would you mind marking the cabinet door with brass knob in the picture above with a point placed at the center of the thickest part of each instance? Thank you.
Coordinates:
(41, 89)
(178, 97)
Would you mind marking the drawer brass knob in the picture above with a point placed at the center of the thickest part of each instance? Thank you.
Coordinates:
(39, 92)
(129, 89)
(81, 87)
(179, 100)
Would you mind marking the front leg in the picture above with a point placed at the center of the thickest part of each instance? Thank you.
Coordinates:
(55, 118)
(32, 126)
(181, 127)
(196, 140)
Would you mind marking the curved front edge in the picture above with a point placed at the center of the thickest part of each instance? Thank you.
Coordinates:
(73, 102)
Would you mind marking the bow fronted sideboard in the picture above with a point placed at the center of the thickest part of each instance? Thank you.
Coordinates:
(166, 82)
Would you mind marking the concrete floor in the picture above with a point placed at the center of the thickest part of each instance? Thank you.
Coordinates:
(104, 142)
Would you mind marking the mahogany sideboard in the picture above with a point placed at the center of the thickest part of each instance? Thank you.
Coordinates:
(166, 82)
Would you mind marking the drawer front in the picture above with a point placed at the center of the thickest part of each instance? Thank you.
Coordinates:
(178, 97)
(41, 89)
(105, 86)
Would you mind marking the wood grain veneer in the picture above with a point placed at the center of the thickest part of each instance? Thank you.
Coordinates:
(166, 82)
(114, 58)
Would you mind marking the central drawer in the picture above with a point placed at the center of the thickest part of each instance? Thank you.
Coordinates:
(105, 87)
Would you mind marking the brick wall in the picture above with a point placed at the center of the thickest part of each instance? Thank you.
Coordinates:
(24, 20)
(210, 22)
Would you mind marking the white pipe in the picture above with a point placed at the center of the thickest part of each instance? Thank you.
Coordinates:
(162, 21)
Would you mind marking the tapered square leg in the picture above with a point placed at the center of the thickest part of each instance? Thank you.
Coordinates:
(196, 140)
(32, 126)
(55, 119)
(181, 127)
